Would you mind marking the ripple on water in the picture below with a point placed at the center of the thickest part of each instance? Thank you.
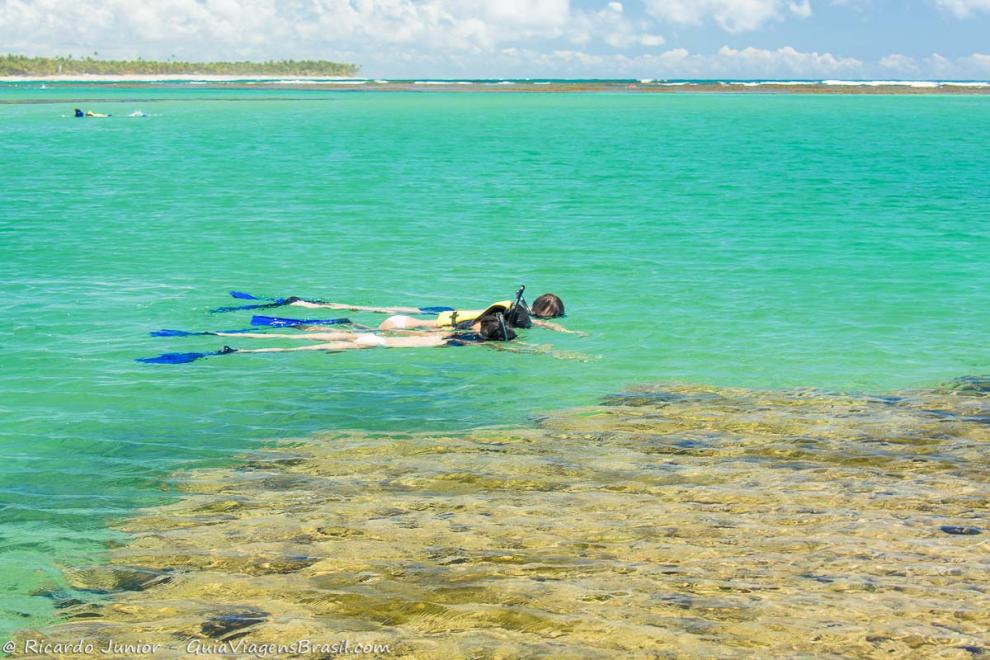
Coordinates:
(668, 520)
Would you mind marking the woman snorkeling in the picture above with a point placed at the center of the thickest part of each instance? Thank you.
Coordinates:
(490, 327)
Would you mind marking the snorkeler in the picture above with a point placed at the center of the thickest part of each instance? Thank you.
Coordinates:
(490, 327)
(89, 113)
(518, 315)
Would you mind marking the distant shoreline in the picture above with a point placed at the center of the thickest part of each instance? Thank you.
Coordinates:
(21, 66)
(163, 77)
(330, 83)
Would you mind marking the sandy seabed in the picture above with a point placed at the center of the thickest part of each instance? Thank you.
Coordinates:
(669, 521)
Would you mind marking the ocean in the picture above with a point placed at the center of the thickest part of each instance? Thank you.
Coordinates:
(765, 242)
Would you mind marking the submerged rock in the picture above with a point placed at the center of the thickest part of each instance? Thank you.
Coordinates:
(113, 578)
(233, 624)
(976, 385)
(61, 598)
(675, 521)
(960, 531)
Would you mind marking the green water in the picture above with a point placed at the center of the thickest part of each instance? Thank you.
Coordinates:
(761, 241)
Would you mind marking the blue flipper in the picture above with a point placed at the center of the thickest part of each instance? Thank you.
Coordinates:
(435, 310)
(237, 308)
(241, 295)
(278, 322)
(183, 333)
(273, 302)
(183, 358)
(176, 358)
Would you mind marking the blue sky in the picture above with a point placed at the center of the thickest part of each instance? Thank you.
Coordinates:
(785, 39)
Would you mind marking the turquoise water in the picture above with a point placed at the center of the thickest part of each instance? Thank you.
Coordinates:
(771, 241)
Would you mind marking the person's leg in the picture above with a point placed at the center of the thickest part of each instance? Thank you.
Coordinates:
(356, 308)
(311, 336)
(332, 347)
(406, 323)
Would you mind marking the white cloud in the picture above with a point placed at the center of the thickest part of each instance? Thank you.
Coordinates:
(730, 15)
(900, 64)
(964, 8)
(209, 29)
(611, 26)
(727, 63)
(975, 66)
(785, 61)
(477, 38)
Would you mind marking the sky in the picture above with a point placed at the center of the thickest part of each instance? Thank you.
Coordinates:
(659, 39)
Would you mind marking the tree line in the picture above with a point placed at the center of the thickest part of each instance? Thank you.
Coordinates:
(19, 65)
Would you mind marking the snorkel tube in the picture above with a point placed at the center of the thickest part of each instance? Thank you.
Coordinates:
(517, 314)
(501, 322)
(519, 297)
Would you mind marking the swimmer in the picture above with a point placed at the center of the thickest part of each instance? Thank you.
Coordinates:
(89, 113)
(516, 316)
(546, 306)
(491, 327)
(550, 306)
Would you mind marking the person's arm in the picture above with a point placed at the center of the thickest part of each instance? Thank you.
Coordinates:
(539, 323)
(328, 328)
(356, 308)
(543, 349)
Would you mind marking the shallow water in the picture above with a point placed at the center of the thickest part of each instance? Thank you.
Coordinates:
(672, 521)
(740, 241)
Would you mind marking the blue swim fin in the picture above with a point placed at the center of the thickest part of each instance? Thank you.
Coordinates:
(278, 322)
(273, 302)
(184, 333)
(243, 296)
(237, 308)
(183, 358)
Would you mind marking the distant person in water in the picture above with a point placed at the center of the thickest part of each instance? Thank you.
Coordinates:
(491, 327)
(546, 306)
(89, 113)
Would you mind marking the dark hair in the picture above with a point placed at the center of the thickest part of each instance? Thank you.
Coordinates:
(518, 317)
(548, 306)
(494, 328)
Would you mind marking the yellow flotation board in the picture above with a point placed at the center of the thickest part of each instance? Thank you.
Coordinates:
(459, 316)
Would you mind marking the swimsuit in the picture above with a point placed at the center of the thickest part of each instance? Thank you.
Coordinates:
(399, 321)
(371, 341)
(463, 339)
